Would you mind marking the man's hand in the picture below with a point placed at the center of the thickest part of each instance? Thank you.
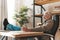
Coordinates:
(39, 24)
(26, 29)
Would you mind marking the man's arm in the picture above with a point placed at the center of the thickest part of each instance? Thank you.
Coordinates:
(45, 27)
(39, 29)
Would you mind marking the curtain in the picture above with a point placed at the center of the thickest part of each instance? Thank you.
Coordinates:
(18, 4)
(3, 12)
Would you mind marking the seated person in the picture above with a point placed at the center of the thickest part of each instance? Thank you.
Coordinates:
(8, 26)
(46, 26)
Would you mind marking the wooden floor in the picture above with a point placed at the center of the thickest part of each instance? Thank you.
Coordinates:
(57, 37)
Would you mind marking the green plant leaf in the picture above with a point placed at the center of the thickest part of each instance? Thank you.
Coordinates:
(20, 16)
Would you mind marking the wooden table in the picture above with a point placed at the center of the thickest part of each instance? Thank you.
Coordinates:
(20, 34)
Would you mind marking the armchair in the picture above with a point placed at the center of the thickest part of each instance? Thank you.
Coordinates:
(53, 31)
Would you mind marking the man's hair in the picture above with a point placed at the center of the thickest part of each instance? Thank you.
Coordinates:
(49, 14)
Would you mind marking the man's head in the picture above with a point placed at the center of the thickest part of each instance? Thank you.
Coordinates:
(47, 16)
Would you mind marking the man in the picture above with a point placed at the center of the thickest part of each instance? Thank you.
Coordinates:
(45, 27)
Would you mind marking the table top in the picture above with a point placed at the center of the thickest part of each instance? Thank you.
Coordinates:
(16, 34)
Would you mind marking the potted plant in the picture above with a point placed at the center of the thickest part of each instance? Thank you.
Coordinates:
(21, 16)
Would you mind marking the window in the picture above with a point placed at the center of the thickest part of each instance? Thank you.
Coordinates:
(11, 10)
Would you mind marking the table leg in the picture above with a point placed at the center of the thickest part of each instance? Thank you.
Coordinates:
(2, 37)
(6, 38)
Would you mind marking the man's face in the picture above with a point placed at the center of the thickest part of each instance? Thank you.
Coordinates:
(47, 16)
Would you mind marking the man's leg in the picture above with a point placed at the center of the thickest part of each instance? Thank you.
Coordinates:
(39, 38)
(45, 38)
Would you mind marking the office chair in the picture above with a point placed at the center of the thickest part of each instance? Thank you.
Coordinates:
(53, 31)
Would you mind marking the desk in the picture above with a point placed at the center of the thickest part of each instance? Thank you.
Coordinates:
(20, 34)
